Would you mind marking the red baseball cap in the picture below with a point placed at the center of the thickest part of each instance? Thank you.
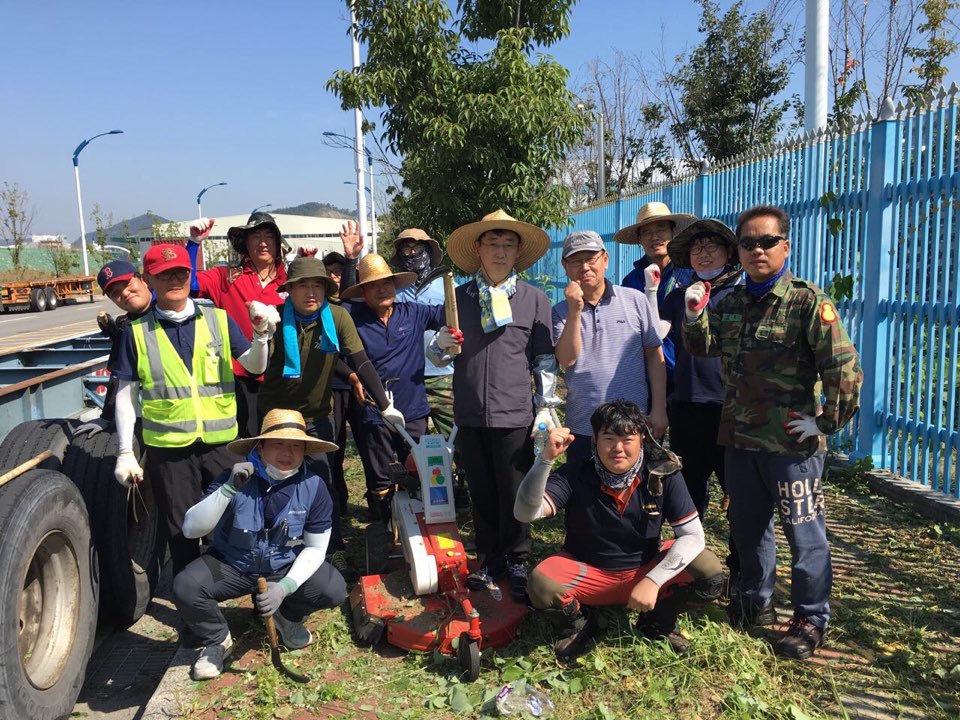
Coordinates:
(165, 257)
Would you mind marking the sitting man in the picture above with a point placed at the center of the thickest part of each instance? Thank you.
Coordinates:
(612, 553)
(270, 516)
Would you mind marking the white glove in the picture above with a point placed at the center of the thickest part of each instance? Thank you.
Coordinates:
(803, 425)
(447, 339)
(695, 300)
(391, 414)
(200, 229)
(546, 416)
(651, 277)
(264, 318)
(128, 471)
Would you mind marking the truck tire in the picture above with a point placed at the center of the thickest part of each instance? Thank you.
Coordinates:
(52, 300)
(29, 439)
(48, 596)
(38, 300)
(129, 539)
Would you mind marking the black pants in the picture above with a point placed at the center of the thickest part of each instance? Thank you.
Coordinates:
(341, 416)
(323, 429)
(207, 580)
(247, 389)
(495, 461)
(379, 446)
(179, 476)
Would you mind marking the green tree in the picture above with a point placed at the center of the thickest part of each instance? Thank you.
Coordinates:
(940, 46)
(101, 234)
(730, 87)
(63, 260)
(474, 131)
(16, 216)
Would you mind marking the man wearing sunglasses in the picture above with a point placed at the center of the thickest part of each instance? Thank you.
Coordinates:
(783, 349)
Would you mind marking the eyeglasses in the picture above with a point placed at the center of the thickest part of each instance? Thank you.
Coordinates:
(708, 247)
(173, 275)
(408, 249)
(592, 261)
(657, 231)
(765, 242)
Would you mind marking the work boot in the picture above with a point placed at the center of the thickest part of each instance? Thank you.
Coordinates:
(801, 639)
(482, 579)
(574, 628)
(743, 615)
(517, 577)
(209, 663)
(292, 634)
(655, 627)
(379, 504)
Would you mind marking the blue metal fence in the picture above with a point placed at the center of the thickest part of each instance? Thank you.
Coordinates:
(880, 202)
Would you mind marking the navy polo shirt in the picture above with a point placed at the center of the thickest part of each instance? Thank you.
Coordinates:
(598, 534)
(319, 516)
(181, 336)
(396, 351)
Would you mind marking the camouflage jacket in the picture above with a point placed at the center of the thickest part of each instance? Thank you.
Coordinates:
(776, 351)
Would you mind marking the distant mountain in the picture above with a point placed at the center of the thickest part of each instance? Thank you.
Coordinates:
(315, 209)
(123, 228)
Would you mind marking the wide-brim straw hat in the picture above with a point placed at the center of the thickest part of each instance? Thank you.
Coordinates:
(462, 247)
(306, 268)
(436, 254)
(238, 234)
(374, 267)
(679, 248)
(650, 213)
(280, 424)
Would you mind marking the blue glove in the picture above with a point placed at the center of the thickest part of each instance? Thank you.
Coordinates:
(269, 602)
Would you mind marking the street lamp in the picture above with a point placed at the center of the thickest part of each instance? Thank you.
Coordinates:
(200, 195)
(260, 207)
(76, 173)
(373, 214)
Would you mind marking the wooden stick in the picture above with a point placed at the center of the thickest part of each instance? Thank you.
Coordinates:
(23, 467)
(450, 307)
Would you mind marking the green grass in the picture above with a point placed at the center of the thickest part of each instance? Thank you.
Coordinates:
(894, 607)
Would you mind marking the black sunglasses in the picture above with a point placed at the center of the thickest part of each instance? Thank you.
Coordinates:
(766, 242)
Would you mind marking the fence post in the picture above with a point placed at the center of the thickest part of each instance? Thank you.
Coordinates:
(701, 191)
(875, 281)
(618, 223)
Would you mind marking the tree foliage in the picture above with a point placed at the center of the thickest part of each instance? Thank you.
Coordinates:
(474, 130)
(730, 87)
(940, 46)
(16, 216)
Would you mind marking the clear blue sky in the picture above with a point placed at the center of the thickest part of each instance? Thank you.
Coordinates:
(214, 91)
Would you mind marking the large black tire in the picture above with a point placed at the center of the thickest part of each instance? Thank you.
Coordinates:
(48, 596)
(29, 439)
(38, 300)
(52, 300)
(128, 538)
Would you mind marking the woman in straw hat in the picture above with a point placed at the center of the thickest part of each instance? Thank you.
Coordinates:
(270, 516)
(392, 332)
(653, 231)
(258, 277)
(507, 338)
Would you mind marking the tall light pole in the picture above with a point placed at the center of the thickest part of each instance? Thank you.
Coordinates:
(358, 132)
(200, 195)
(371, 189)
(76, 173)
(260, 207)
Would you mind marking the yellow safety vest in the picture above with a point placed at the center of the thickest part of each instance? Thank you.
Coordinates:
(180, 406)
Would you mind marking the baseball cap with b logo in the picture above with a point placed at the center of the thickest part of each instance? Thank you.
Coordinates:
(165, 257)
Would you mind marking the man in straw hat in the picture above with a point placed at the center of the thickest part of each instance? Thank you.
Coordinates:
(270, 516)
(782, 348)
(653, 231)
(314, 335)
(506, 340)
(178, 356)
(612, 553)
(392, 332)
(258, 277)
(607, 341)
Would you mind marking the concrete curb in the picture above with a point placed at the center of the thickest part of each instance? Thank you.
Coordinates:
(929, 503)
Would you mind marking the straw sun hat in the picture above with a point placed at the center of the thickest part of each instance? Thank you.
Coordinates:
(436, 254)
(462, 248)
(282, 424)
(650, 213)
(374, 267)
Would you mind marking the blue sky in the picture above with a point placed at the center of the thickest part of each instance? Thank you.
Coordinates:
(214, 91)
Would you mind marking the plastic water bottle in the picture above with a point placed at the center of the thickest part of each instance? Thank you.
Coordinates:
(540, 438)
(523, 699)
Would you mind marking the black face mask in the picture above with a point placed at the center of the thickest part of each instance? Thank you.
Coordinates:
(418, 262)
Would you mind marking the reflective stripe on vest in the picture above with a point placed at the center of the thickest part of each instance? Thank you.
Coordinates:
(175, 399)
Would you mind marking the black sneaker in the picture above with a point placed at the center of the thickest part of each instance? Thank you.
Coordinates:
(742, 615)
(482, 579)
(575, 631)
(648, 627)
(801, 639)
(517, 577)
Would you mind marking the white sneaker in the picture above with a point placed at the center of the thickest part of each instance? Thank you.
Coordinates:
(209, 664)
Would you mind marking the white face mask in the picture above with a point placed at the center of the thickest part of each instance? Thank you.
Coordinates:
(277, 474)
(710, 274)
(174, 316)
